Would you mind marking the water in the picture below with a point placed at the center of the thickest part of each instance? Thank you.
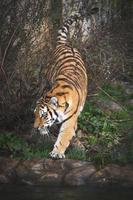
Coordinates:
(21, 192)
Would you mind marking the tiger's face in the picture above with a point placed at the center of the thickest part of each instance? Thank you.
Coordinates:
(45, 116)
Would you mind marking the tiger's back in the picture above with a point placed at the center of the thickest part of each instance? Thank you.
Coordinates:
(68, 69)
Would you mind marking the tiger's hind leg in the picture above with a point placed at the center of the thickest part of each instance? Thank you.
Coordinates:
(67, 131)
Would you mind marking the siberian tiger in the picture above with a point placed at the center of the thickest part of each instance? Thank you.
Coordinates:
(64, 102)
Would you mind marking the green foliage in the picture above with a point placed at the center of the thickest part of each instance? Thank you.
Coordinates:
(18, 147)
(107, 138)
(115, 90)
(103, 133)
(118, 93)
(77, 154)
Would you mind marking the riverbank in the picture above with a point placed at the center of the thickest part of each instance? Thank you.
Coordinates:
(63, 172)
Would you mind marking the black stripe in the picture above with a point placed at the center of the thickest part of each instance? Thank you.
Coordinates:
(47, 98)
(64, 66)
(71, 69)
(74, 82)
(59, 49)
(72, 74)
(78, 57)
(62, 36)
(61, 144)
(56, 113)
(77, 79)
(66, 106)
(67, 86)
(61, 93)
(64, 30)
(75, 76)
(70, 115)
(51, 115)
(61, 79)
(62, 53)
(54, 87)
(66, 25)
(66, 79)
(70, 20)
(67, 61)
(62, 48)
(68, 111)
(75, 65)
(67, 118)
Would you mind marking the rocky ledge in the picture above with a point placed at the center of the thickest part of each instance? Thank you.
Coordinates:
(67, 172)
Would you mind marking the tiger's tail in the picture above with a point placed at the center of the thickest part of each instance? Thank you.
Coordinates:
(62, 35)
(64, 30)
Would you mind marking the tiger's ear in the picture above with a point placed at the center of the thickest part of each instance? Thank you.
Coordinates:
(54, 101)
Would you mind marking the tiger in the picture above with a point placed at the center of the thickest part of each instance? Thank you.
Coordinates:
(65, 100)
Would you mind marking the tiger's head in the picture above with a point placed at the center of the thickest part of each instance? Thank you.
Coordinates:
(45, 114)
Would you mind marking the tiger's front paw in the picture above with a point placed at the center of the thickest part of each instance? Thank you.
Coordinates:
(57, 155)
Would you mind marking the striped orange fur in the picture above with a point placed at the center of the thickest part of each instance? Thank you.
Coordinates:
(64, 102)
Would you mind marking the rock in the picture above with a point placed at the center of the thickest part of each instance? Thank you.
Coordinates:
(41, 171)
(7, 170)
(80, 175)
(108, 105)
(3, 179)
(130, 102)
(112, 173)
(76, 143)
(75, 164)
(51, 178)
(59, 172)
(6, 164)
(128, 88)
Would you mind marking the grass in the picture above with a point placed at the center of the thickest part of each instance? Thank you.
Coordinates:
(17, 147)
(76, 154)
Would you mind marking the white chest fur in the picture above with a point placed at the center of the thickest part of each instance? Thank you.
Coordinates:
(61, 116)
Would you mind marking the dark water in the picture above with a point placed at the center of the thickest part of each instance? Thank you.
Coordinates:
(17, 192)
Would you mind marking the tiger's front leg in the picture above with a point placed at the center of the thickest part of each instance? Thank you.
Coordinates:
(67, 131)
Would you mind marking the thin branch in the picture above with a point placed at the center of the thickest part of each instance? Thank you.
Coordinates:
(6, 50)
(92, 95)
(111, 97)
(121, 120)
(3, 59)
(107, 94)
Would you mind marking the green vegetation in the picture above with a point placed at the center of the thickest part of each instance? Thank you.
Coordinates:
(107, 135)
(76, 153)
(117, 93)
(17, 147)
